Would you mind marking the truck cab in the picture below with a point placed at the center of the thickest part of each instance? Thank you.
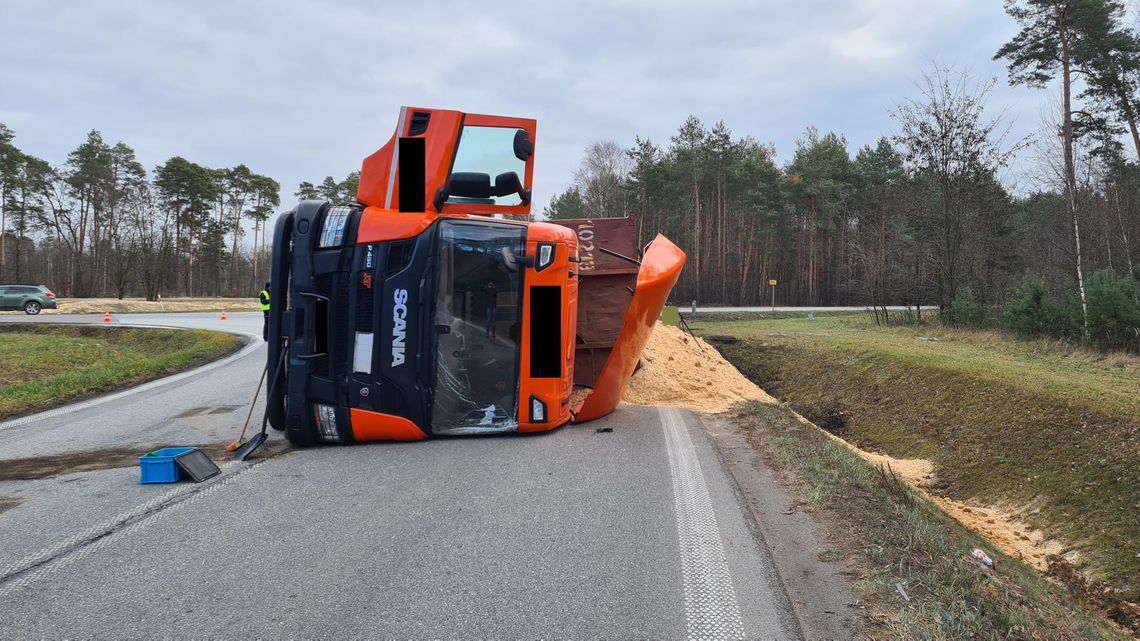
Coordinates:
(427, 314)
(427, 308)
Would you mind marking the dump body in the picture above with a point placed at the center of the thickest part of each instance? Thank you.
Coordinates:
(416, 313)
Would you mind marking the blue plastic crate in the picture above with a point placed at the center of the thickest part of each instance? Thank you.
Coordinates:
(159, 466)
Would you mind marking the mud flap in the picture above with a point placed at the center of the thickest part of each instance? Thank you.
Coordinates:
(660, 268)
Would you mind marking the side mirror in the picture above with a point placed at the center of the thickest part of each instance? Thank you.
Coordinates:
(468, 184)
(507, 183)
(524, 148)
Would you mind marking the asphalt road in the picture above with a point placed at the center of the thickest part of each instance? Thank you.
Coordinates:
(578, 533)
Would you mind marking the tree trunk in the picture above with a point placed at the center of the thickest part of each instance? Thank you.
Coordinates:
(3, 229)
(697, 235)
(1070, 170)
(1123, 231)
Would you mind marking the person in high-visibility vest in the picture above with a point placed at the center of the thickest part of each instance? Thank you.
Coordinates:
(264, 298)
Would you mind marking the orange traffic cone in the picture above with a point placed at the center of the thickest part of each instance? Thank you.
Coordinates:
(223, 314)
(106, 317)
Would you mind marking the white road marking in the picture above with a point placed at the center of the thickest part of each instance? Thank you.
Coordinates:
(711, 610)
(145, 387)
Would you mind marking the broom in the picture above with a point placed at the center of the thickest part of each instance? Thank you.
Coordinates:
(236, 444)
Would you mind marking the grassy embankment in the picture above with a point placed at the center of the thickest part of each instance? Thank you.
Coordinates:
(1048, 431)
(890, 535)
(44, 366)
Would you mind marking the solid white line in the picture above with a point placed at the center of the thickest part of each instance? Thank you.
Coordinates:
(711, 609)
(145, 387)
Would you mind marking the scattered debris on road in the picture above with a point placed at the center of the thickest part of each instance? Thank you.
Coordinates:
(172, 464)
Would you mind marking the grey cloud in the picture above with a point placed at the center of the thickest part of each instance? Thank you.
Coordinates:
(298, 90)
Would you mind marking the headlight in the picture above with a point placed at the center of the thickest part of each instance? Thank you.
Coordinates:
(537, 410)
(326, 422)
(332, 233)
(545, 256)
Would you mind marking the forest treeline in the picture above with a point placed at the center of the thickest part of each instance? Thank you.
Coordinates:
(926, 216)
(931, 214)
(100, 224)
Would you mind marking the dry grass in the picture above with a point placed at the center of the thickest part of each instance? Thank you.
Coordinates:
(139, 305)
(892, 535)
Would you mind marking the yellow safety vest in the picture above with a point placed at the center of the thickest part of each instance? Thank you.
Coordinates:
(264, 298)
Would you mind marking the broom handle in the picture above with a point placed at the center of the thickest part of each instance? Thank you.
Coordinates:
(253, 402)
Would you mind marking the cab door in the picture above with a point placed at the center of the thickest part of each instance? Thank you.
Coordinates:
(493, 167)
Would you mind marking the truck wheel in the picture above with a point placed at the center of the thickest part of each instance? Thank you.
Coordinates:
(32, 308)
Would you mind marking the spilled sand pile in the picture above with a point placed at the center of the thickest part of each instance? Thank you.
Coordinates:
(682, 371)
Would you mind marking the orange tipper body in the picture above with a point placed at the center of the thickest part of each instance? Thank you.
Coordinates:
(425, 309)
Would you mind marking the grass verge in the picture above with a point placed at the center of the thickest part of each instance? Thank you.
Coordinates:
(891, 535)
(1050, 431)
(43, 366)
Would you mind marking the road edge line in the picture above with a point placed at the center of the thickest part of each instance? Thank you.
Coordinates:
(711, 608)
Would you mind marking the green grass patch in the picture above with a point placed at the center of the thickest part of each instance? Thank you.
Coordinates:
(1038, 425)
(42, 366)
(893, 535)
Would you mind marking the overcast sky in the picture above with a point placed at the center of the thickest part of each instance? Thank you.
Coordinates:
(300, 90)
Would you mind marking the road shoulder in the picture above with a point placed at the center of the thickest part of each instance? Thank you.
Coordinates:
(821, 599)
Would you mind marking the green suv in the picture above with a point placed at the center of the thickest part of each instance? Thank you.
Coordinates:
(30, 298)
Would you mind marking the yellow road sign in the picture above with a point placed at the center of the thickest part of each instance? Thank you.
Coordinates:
(772, 282)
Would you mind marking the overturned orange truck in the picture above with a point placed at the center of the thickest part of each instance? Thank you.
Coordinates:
(425, 309)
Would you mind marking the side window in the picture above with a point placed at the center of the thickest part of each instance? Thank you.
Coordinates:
(3, 290)
(27, 290)
(487, 169)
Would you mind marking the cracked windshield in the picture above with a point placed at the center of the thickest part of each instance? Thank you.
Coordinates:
(477, 328)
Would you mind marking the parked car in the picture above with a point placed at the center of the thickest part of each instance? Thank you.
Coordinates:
(30, 298)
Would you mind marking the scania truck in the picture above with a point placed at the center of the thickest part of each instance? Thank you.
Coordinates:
(432, 306)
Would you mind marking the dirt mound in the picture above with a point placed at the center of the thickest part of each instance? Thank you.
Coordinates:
(682, 371)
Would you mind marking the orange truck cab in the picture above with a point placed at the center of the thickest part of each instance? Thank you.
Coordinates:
(422, 309)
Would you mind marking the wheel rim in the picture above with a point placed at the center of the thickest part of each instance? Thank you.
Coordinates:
(34, 308)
